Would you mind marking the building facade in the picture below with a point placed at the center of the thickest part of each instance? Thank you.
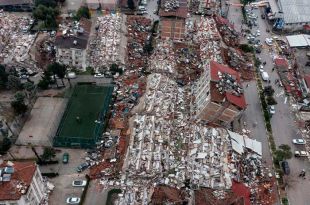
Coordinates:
(71, 44)
(22, 185)
(218, 95)
(17, 5)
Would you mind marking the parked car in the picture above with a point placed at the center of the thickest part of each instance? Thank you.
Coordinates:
(65, 158)
(299, 141)
(263, 16)
(301, 154)
(269, 41)
(73, 200)
(99, 75)
(82, 167)
(285, 167)
(308, 63)
(272, 110)
(79, 183)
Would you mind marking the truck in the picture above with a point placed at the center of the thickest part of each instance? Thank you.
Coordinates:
(265, 76)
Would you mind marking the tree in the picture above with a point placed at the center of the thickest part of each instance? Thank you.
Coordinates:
(82, 12)
(48, 154)
(268, 90)
(18, 104)
(271, 101)
(131, 4)
(5, 145)
(3, 76)
(43, 84)
(58, 70)
(284, 152)
(47, 15)
(29, 87)
(14, 82)
(246, 48)
(47, 3)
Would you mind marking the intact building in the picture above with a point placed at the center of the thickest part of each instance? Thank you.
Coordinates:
(294, 14)
(16, 5)
(21, 183)
(219, 97)
(71, 44)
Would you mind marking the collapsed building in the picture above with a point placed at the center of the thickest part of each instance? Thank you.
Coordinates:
(71, 43)
(105, 47)
(15, 41)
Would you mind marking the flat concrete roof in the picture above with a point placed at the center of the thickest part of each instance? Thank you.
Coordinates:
(295, 11)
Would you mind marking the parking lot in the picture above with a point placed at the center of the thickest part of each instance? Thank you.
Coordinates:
(63, 183)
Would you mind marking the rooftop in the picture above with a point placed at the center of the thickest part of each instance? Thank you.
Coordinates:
(295, 11)
(172, 28)
(19, 180)
(74, 35)
(226, 83)
(281, 62)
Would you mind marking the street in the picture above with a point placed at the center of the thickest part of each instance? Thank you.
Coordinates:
(283, 122)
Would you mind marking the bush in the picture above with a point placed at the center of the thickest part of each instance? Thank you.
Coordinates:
(82, 12)
(271, 101)
(285, 201)
(246, 48)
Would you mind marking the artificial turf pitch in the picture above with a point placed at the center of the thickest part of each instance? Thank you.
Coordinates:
(84, 115)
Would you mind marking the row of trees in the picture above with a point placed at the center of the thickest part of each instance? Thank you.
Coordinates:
(46, 11)
(50, 75)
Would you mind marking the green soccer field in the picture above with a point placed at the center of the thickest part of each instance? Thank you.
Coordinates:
(82, 122)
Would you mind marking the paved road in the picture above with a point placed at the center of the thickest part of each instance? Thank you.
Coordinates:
(95, 195)
(283, 122)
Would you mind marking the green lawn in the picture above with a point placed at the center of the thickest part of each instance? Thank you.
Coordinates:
(84, 108)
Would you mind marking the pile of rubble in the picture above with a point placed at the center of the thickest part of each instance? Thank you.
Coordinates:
(171, 5)
(104, 48)
(15, 42)
(138, 33)
(229, 35)
(208, 37)
(188, 61)
(163, 59)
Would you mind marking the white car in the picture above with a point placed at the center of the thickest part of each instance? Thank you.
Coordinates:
(99, 75)
(73, 200)
(299, 141)
(301, 154)
(269, 41)
(79, 183)
(272, 109)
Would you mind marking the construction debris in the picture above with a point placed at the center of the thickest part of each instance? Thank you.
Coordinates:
(104, 48)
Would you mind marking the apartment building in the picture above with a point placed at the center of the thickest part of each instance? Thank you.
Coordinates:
(71, 44)
(21, 183)
(219, 97)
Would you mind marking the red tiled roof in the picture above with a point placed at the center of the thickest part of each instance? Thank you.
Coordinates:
(236, 100)
(307, 27)
(172, 28)
(242, 191)
(281, 62)
(23, 173)
(223, 21)
(307, 79)
(233, 99)
(216, 67)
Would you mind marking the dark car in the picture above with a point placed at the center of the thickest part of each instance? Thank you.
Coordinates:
(263, 16)
(65, 158)
(82, 167)
(308, 63)
(285, 167)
